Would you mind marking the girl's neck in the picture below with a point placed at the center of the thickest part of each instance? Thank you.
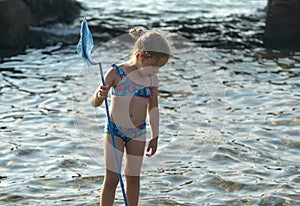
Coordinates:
(131, 65)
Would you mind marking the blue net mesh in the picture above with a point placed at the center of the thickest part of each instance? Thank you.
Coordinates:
(85, 44)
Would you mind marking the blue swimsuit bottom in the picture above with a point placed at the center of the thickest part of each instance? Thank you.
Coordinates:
(127, 134)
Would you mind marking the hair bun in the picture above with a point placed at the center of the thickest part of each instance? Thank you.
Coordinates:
(136, 33)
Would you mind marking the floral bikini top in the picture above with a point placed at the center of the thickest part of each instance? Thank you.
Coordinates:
(127, 87)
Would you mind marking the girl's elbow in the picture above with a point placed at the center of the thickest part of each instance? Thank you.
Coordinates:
(93, 103)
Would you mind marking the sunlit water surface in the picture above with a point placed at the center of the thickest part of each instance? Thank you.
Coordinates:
(229, 129)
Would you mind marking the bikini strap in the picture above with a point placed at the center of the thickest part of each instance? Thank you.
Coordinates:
(151, 81)
(119, 70)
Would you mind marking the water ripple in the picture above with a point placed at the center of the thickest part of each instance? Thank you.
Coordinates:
(51, 138)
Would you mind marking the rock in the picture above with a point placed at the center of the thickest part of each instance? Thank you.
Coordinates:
(15, 18)
(282, 24)
(49, 11)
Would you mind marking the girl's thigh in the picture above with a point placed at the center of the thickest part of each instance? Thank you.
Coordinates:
(109, 159)
(135, 149)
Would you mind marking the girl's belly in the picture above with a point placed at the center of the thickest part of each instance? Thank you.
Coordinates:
(128, 111)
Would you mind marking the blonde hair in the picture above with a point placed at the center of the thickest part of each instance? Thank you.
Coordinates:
(150, 43)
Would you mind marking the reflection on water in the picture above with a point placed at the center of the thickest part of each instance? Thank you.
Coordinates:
(46, 158)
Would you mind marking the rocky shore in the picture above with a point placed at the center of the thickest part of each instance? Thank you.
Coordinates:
(22, 24)
(17, 16)
(282, 24)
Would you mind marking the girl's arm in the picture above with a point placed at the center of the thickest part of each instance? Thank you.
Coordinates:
(102, 91)
(153, 114)
(153, 118)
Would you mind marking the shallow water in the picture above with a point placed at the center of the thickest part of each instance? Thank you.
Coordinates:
(229, 131)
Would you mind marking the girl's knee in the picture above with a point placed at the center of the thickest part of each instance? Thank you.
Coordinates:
(133, 180)
(111, 179)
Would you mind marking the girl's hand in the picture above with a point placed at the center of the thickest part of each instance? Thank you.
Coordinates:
(152, 146)
(103, 92)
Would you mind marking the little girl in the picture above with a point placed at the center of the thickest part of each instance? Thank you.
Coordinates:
(134, 95)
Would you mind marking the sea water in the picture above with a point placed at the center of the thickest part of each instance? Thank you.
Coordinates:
(229, 129)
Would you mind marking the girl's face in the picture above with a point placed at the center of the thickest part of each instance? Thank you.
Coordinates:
(151, 65)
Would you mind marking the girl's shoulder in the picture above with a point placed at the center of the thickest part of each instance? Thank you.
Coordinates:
(112, 72)
(112, 76)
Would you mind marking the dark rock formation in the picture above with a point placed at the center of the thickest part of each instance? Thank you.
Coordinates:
(15, 17)
(283, 26)
(49, 11)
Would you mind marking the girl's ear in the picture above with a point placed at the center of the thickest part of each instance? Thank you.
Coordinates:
(138, 56)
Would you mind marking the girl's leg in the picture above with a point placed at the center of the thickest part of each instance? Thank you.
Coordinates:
(134, 157)
(111, 178)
